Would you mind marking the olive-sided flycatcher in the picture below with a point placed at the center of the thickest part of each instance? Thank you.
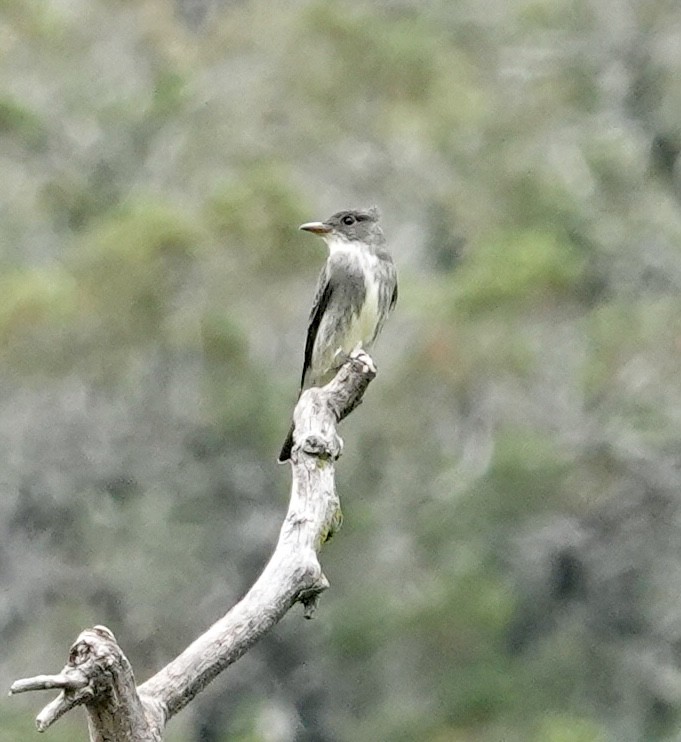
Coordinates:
(356, 291)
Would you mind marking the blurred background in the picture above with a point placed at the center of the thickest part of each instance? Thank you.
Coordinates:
(509, 568)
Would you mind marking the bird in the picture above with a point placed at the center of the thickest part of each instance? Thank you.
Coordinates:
(356, 291)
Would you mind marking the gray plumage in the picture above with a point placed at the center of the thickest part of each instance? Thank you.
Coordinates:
(356, 291)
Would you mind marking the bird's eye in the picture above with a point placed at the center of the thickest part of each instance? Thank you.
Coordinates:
(348, 220)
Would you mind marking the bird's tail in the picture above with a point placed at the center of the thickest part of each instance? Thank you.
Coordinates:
(285, 453)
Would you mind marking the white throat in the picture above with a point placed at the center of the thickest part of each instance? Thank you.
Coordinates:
(338, 244)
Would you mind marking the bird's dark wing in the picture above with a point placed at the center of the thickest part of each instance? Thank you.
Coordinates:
(319, 305)
(393, 299)
(321, 302)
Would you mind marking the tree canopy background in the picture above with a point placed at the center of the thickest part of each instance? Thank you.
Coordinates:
(511, 487)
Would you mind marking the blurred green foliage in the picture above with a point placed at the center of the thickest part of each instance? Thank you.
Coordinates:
(17, 121)
(357, 60)
(254, 213)
(518, 270)
(507, 566)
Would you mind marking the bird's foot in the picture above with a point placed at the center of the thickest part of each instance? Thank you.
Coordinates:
(356, 354)
(361, 356)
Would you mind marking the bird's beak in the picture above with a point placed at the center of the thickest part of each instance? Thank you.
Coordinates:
(315, 227)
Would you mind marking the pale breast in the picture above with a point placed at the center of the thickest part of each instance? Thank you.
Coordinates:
(363, 326)
(360, 322)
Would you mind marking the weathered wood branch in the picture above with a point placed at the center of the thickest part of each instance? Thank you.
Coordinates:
(99, 676)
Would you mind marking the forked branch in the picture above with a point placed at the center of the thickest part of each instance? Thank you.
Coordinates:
(98, 675)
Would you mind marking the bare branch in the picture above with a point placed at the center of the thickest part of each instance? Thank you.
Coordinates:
(319, 410)
(75, 687)
(68, 679)
(99, 675)
(55, 710)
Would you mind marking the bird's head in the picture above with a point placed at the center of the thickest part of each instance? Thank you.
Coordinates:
(347, 227)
